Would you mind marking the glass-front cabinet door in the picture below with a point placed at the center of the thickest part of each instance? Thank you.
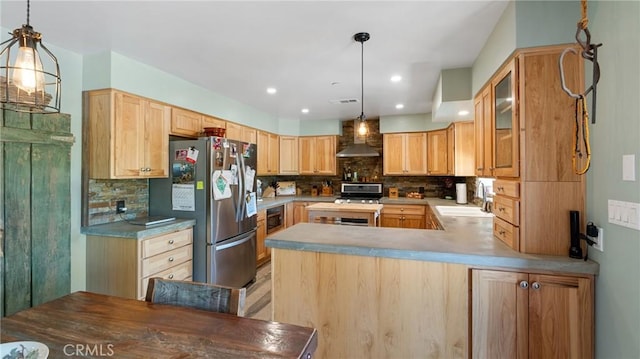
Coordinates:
(506, 157)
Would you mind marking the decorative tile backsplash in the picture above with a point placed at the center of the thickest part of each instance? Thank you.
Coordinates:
(103, 195)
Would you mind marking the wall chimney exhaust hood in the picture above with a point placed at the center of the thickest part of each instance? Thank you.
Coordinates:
(452, 99)
(359, 148)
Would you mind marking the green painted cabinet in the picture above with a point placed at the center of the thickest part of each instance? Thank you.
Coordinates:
(35, 228)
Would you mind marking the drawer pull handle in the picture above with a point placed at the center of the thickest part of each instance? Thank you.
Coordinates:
(170, 276)
(501, 189)
(171, 241)
(170, 259)
(501, 209)
(501, 233)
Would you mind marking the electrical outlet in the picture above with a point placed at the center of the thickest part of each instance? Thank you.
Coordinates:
(120, 208)
(599, 240)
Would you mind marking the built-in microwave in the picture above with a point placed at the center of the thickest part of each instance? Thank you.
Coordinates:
(275, 219)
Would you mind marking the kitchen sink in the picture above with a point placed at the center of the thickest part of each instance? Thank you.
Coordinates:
(462, 211)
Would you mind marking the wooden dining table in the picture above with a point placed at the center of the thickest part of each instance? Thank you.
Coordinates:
(84, 324)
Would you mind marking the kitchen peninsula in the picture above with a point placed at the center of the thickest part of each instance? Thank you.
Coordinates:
(390, 292)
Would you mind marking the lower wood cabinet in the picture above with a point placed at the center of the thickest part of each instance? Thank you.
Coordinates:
(300, 213)
(263, 253)
(524, 315)
(122, 266)
(403, 216)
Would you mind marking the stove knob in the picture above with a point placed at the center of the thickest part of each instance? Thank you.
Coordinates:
(370, 201)
(363, 201)
(348, 201)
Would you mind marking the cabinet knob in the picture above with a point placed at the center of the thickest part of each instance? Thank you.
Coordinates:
(170, 276)
(170, 259)
(524, 284)
(171, 241)
(535, 285)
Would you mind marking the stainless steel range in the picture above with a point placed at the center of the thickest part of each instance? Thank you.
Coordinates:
(360, 192)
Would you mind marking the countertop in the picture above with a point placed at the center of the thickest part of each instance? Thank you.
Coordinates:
(464, 240)
(126, 230)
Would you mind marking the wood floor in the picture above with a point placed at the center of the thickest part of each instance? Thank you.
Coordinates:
(258, 301)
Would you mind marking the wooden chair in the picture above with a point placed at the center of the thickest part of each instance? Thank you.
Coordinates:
(203, 296)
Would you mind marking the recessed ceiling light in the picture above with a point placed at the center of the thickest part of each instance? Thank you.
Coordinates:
(396, 78)
(271, 90)
(305, 110)
(463, 113)
(399, 106)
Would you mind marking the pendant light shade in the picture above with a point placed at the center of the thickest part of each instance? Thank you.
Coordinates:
(363, 131)
(27, 83)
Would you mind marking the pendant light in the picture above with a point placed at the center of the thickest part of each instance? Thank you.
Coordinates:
(362, 129)
(359, 148)
(25, 84)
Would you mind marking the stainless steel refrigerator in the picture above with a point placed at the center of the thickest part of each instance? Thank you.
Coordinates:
(213, 181)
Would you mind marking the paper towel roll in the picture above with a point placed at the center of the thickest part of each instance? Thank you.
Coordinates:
(461, 193)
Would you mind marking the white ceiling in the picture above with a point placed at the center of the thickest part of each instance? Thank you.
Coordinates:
(305, 49)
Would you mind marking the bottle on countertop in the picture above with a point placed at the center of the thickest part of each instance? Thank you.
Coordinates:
(344, 173)
(349, 174)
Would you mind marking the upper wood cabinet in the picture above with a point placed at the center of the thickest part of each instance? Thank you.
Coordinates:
(317, 155)
(288, 155)
(506, 143)
(461, 149)
(405, 153)
(531, 138)
(522, 315)
(209, 121)
(483, 133)
(191, 124)
(185, 123)
(268, 153)
(437, 153)
(128, 136)
(241, 133)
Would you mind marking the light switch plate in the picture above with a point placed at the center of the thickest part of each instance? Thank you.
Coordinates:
(626, 214)
(628, 167)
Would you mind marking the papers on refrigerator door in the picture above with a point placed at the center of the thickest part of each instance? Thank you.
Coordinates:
(183, 197)
(252, 204)
(249, 175)
(221, 184)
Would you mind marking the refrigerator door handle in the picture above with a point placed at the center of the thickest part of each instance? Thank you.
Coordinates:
(240, 194)
(243, 178)
(233, 244)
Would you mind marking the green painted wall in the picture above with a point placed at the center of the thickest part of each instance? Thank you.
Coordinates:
(409, 123)
(616, 132)
(498, 47)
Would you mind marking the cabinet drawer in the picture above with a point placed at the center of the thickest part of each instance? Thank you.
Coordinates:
(166, 242)
(507, 188)
(507, 233)
(182, 271)
(166, 260)
(401, 209)
(507, 209)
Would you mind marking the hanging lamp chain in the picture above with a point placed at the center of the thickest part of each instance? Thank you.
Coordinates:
(28, 8)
